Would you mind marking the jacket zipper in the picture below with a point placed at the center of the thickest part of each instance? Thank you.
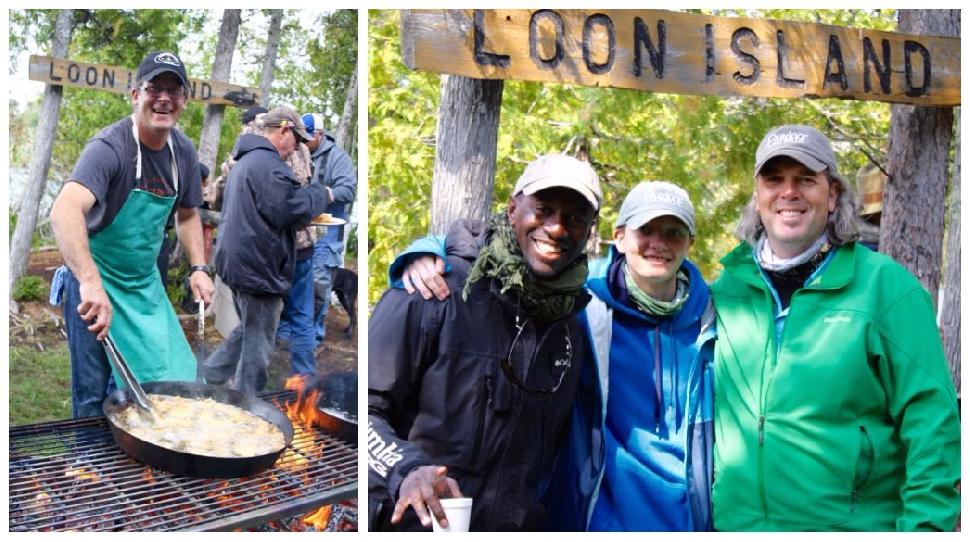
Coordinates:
(772, 359)
(862, 477)
(657, 378)
(487, 389)
(761, 466)
(766, 380)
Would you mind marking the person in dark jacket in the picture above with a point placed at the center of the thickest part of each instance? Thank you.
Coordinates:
(264, 204)
(469, 396)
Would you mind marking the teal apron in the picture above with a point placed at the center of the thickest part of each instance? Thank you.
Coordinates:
(143, 324)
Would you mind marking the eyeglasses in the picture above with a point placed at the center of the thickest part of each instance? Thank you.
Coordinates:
(565, 362)
(176, 92)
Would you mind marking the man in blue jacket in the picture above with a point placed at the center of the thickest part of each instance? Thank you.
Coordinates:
(334, 169)
(256, 251)
(638, 452)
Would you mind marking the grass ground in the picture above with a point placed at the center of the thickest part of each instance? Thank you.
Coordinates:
(40, 384)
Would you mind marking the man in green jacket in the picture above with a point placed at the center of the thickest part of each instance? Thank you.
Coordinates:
(834, 407)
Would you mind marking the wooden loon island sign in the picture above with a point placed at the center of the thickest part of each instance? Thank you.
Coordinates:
(684, 53)
(59, 71)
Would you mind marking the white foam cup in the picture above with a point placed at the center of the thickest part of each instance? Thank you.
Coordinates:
(459, 514)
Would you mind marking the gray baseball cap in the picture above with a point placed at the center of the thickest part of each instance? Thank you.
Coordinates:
(286, 117)
(652, 199)
(559, 170)
(803, 143)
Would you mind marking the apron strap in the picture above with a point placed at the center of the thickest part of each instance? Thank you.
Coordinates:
(171, 149)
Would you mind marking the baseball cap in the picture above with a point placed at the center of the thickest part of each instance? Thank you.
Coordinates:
(252, 112)
(652, 199)
(559, 170)
(803, 143)
(286, 117)
(158, 62)
(313, 122)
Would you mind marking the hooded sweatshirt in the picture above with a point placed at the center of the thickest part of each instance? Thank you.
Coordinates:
(637, 458)
(332, 167)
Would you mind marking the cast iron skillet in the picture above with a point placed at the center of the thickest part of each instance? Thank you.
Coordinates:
(192, 464)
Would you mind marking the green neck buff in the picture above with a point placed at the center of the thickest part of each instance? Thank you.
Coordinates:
(501, 259)
(653, 306)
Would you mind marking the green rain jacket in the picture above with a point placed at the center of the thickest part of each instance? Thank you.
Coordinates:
(850, 421)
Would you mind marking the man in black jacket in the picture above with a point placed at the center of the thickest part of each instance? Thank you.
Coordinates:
(256, 251)
(468, 396)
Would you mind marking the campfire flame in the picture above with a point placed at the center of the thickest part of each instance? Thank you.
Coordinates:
(81, 474)
(304, 410)
(304, 414)
(320, 518)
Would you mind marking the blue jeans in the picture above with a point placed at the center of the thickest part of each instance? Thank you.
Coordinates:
(244, 356)
(323, 276)
(296, 322)
(91, 380)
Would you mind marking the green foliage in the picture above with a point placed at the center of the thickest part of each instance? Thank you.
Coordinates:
(176, 279)
(40, 384)
(37, 239)
(22, 125)
(29, 288)
(330, 48)
(316, 59)
(403, 107)
(705, 144)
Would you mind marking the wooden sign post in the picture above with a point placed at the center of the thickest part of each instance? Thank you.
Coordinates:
(657, 51)
(684, 53)
(59, 71)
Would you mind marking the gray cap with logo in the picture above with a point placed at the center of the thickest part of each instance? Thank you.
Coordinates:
(649, 200)
(559, 170)
(803, 143)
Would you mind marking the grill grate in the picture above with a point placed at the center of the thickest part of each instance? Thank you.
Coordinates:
(71, 476)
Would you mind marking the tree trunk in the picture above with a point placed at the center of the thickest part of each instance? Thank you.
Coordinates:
(919, 141)
(221, 67)
(950, 317)
(269, 59)
(464, 165)
(41, 161)
(345, 134)
(345, 127)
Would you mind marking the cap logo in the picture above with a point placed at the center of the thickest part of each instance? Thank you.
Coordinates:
(167, 58)
(790, 137)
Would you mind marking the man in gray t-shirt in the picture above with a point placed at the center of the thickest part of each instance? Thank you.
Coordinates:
(109, 220)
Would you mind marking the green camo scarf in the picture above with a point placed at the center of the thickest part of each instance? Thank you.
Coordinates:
(501, 259)
(651, 305)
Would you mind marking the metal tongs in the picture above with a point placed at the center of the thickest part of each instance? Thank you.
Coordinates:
(139, 397)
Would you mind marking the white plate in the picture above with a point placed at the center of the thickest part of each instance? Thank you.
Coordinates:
(334, 221)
